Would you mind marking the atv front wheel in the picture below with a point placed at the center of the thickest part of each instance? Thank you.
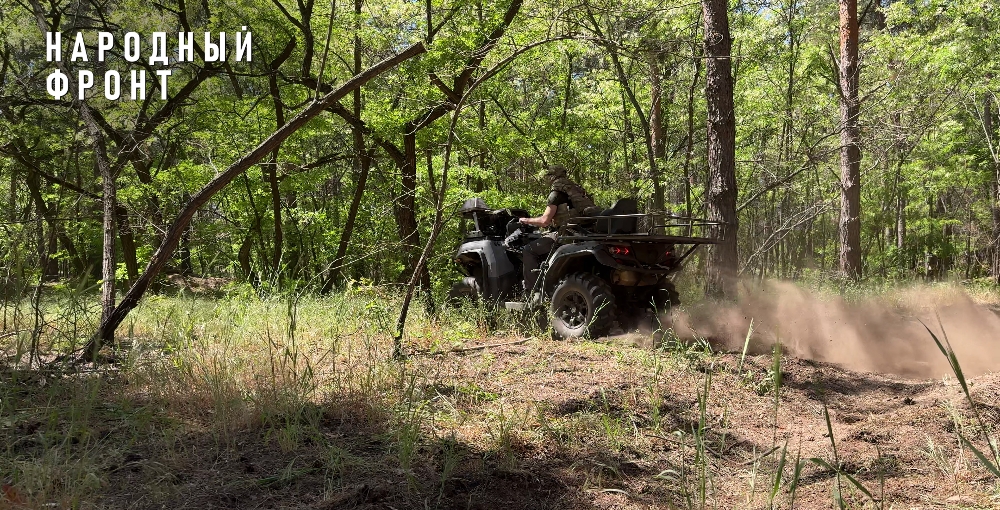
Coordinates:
(582, 305)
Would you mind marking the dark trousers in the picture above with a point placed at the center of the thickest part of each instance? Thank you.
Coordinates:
(532, 256)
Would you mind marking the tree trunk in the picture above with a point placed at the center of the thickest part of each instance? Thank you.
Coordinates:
(850, 151)
(127, 237)
(34, 191)
(406, 209)
(362, 167)
(406, 206)
(272, 180)
(566, 94)
(109, 200)
(272, 164)
(108, 265)
(184, 251)
(41, 213)
(901, 195)
(243, 256)
(995, 215)
(656, 126)
(689, 152)
(362, 164)
(721, 193)
(628, 141)
(12, 201)
(994, 180)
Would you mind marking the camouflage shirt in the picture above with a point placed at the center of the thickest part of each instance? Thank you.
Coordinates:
(571, 201)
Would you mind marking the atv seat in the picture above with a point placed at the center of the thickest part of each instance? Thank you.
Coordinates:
(618, 225)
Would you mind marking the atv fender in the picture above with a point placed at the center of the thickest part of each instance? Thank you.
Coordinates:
(498, 270)
(571, 255)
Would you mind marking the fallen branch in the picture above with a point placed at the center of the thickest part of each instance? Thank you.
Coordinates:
(474, 348)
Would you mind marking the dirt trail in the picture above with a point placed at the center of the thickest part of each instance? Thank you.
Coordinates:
(896, 436)
(882, 334)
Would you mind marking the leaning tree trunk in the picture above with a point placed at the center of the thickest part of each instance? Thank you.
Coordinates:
(721, 193)
(850, 151)
(170, 240)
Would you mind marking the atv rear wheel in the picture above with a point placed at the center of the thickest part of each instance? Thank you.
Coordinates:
(465, 291)
(582, 305)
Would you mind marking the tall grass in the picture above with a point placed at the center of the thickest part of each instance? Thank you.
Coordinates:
(268, 368)
(291, 372)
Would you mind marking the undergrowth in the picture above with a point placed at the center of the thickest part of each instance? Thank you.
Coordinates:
(293, 393)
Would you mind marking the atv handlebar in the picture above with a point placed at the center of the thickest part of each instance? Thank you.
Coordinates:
(517, 231)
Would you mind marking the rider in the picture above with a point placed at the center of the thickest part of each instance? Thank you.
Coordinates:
(566, 201)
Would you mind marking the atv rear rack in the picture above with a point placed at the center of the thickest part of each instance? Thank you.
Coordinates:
(694, 242)
(648, 238)
(654, 222)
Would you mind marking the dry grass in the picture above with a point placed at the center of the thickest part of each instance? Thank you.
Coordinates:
(245, 402)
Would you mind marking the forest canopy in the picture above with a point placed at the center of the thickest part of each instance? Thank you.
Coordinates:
(614, 91)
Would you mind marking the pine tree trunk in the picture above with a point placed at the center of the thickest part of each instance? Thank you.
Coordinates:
(850, 151)
(721, 193)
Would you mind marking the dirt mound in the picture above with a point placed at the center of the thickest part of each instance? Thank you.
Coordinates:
(883, 334)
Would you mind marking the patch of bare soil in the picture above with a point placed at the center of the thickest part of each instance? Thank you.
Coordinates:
(896, 436)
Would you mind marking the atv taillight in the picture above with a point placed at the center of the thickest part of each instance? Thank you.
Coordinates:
(619, 251)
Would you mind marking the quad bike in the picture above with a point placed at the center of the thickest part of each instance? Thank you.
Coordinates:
(601, 270)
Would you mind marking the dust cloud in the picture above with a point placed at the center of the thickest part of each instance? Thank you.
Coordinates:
(878, 334)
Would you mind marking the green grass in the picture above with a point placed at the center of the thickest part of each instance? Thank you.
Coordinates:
(305, 388)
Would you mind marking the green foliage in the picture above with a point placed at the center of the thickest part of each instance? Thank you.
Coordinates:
(929, 129)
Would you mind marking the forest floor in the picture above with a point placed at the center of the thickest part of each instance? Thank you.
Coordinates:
(246, 403)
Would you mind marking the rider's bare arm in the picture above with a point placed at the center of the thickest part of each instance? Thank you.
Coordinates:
(543, 220)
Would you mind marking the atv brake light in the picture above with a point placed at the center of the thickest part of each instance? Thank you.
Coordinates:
(618, 251)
